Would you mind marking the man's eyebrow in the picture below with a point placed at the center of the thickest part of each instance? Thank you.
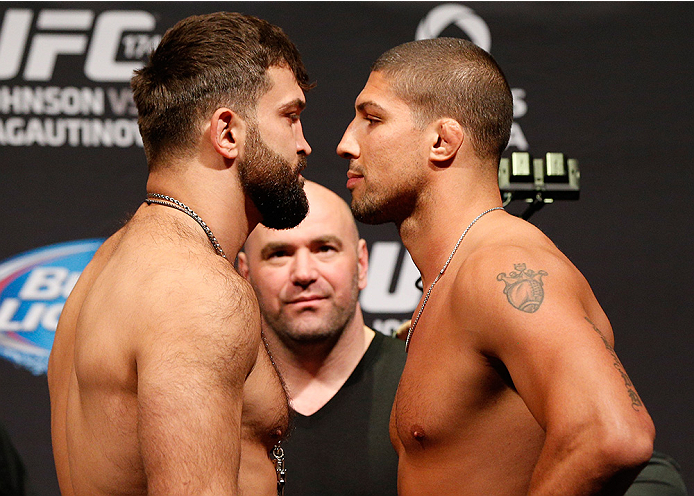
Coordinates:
(364, 107)
(272, 247)
(327, 239)
(296, 104)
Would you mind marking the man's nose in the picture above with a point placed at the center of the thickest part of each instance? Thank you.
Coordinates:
(304, 270)
(347, 147)
(302, 146)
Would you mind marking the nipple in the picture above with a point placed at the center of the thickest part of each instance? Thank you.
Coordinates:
(277, 434)
(418, 433)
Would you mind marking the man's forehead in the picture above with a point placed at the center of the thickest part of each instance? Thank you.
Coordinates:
(271, 240)
(316, 225)
(378, 94)
(283, 86)
(305, 239)
(319, 227)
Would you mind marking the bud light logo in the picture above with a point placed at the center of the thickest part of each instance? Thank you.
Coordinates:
(33, 290)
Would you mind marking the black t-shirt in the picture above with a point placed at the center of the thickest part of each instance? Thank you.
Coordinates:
(344, 448)
(13, 476)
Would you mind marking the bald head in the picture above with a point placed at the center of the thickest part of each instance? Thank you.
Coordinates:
(307, 279)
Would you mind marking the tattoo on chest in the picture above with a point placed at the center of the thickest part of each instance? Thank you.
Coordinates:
(635, 400)
(523, 288)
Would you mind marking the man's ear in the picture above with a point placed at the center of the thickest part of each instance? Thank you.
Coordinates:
(242, 264)
(448, 138)
(362, 263)
(227, 133)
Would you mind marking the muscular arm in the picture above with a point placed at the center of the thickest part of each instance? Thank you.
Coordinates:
(544, 324)
(192, 361)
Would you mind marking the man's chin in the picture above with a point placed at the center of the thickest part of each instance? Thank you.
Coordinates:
(368, 216)
(312, 332)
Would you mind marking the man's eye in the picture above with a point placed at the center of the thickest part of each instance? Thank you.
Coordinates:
(277, 254)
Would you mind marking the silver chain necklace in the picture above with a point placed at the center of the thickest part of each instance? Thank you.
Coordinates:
(438, 276)
(169, 201)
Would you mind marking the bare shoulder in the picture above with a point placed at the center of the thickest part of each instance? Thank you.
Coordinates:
(177, 275)
(515, 274)
(515, 249)
(196, 340)
(180, 299)
(202, 297)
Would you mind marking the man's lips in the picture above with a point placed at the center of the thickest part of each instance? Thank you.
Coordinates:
(305, 299)
(353, 178)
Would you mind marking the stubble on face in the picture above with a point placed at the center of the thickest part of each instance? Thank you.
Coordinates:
(391, 199)
(273, 183)
(311, 327)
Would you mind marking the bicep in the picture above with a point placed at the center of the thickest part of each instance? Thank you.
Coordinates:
(190, 392)
(566, 370)
(560, 354)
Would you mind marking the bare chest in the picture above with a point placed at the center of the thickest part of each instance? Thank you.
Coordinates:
(451, 395)
(456, 418)
(441, 391)
(265, 415)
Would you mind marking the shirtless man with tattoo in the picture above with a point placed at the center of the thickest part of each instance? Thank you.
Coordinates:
(512, 385)
(159, 381)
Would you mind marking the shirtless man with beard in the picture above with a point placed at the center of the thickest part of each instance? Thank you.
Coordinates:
(511, 384)
(160, 383)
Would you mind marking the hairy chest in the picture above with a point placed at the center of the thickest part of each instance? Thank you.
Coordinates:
(265, 417)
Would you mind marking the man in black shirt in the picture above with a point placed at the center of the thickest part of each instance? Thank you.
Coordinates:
(341, 376)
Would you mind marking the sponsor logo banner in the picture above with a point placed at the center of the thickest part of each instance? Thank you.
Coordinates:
(33, 288)
(46, 54)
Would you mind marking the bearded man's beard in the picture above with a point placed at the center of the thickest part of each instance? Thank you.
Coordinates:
(273, 184)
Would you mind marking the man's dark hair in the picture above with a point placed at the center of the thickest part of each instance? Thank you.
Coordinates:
(203, 63)
(452, 77)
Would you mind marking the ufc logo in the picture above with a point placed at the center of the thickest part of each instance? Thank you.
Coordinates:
(66, 32)
(390, 265)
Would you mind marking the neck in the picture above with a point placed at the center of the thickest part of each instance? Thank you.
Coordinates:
(314, 373)
(216, 196)
(433, 229)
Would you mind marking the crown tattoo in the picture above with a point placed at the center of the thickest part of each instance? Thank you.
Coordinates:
(523, 288)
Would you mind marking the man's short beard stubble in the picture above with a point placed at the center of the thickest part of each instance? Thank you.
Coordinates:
(368, 212)
(390, 207)
(272, 184)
